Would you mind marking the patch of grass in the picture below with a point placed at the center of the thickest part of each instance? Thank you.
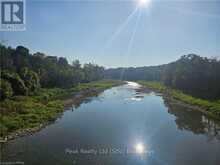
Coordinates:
(153, 85)
(27, 113)
(213, 107)
(102, 84)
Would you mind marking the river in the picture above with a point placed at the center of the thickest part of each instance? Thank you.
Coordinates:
(123, 125)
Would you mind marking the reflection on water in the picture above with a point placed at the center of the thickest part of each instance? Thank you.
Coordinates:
(123, 125)
(135, 98)
(133, 84)
(140, 148)
(196, 122)
(139, 95)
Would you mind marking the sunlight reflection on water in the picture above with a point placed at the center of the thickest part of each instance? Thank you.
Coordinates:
(136, 98)
(133, 84)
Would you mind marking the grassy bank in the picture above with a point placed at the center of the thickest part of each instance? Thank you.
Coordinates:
(211, 107)
(26, 113)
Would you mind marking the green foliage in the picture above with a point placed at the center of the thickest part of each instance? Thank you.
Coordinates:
(76, 64)
(16, 82)
(3, 129)
(91, 70)
(20, 57)
(195, 75)
(28, 113)
(62, 61)
(51, 70)
(5, 89)
(213, 107)
(102, 84)
(21, 112)
(151, 73)
(198, 76)
(51, 93)
(154, 85)
(31, 79)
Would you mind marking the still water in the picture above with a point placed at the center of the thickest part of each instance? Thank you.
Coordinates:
(122, 126)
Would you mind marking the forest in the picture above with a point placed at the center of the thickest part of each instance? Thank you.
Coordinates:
(192, 74)
(23, 73)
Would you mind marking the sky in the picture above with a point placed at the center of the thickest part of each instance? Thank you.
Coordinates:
(115, 33)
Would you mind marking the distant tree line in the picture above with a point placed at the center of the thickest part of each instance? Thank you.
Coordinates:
(151, 73)
(23, 73)
(198, 76)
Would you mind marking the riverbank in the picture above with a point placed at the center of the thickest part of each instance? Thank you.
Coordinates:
(211, 108)
(23, 115)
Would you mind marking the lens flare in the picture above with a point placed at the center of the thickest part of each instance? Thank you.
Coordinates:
(144, 3)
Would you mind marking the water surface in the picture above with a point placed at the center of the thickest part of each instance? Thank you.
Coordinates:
(122, 125)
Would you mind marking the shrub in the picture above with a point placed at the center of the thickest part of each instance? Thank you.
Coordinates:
(5, 89)
(17, 83)
(30, 79)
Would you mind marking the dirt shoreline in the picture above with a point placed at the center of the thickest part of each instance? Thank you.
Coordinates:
(73, 99)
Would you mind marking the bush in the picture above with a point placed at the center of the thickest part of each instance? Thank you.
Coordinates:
(17, 83)
(3, 129)
(30, 79)
(5, 89)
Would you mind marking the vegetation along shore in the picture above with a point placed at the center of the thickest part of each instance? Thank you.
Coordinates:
(191, 79)
(21, 115)
(210, 107)
(34, 86)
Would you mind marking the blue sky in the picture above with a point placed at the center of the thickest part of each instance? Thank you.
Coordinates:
(156, 34)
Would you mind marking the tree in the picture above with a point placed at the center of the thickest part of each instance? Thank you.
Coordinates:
(30, 79)
(5, 89)
(63, 62)
(21, 57)
(16, 82)
(93, 72)
(76, 64)
(6, 57)
(198, 76)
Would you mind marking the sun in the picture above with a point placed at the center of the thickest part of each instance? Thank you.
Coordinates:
(139, 148)
(144, 3)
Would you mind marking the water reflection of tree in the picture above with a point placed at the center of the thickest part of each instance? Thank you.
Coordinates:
(194, 121)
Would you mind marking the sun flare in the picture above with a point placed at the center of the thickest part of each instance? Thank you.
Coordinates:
(139, 148)
(143, 3)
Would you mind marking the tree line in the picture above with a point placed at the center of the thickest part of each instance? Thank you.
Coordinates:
(23, 73)
(193, 74)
